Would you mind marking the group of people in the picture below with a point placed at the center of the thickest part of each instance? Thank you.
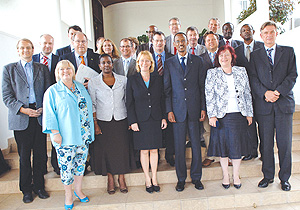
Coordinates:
(154, 94)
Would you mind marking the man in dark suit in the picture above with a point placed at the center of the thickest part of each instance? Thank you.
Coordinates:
(81, 54)
(149, 45)
(125, 65)
(159, 57)
(243, 59)
(23, 87)
(50, 60)
(211, 41)
(174, 26)
(185, 105)
(213, 25)
(69, 48)
(227, 30)
(273, 75)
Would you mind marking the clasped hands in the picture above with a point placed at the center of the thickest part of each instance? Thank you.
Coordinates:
(135, 126)
(31, 112)
(271, 96)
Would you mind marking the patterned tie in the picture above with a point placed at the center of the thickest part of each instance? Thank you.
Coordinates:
(126, 66)
(212, 58)
(248, 53)
(182, 63)
(160, 68)
(151, 48)
(82, 60)
(193, 50)
(45, 60)
(175, 50)
(227, 42)
(270, 56)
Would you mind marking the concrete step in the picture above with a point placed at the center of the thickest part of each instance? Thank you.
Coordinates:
(166, 175)
(214, 196)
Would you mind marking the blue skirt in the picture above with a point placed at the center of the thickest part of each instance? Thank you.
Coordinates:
(229, 139)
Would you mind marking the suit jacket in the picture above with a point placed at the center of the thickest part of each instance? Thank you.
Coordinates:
(184, 91)
(234, 43)
(168, 55)
(281, 77)
(207, 64)
(142, 102)
(54, 61)
(217, 92)
(241, 59)
(63, 50)
(15, 92)
(143, 47)
(201, 39)
(119, 68)
(93, 60)
(200, 49)
(169, 44)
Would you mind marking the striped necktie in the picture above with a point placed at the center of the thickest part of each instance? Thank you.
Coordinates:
(45, 61)
(160, 68)
(269, 51)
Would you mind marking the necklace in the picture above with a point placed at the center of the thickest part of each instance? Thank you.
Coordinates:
(227, 73)
(72, 88)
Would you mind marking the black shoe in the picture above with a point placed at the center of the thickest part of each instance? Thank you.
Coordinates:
(27, 197)
(57, 171)
(198, 184)
(149, 189)
(249, 157)
(226, 186)
(265, 182)
(237, 186)
(180, 186)
(41, 193)
(285, 186)
(188, 144)
(156, 188)
(202, 143)
(171, 161)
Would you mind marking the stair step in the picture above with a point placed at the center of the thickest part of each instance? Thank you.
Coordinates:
(212, 197)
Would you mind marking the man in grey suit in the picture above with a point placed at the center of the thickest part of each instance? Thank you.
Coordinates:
(185, 105)
(23, 87)
(193, 47)
(273, 75)
(227, 30)
(125, 65)
(213, 26)
(174, 26)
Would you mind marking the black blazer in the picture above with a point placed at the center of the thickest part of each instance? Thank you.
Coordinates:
(281, 77)
(143, 47)
(93, 60)
(241, 59)
(142, 102)
(201, 39)
(168, 55)
(54, 61)
(63, 50)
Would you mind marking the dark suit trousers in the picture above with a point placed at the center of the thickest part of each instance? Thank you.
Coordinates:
(29, 139)
(168, 140)
(253, 139)
(267, 124)
(54, 161)
(180, 130)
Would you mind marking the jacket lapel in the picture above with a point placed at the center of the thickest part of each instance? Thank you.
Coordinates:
(21, 72)
(278, 54)
(35, 70)
(189, 64)
(263, 55)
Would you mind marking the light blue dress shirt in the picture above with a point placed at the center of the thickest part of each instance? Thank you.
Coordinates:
(28, 69)
(78, 59)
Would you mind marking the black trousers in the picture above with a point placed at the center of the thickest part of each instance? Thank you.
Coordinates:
(168, 141)
(54, 162)
(29, 139)
(252, 138)
(283, 124)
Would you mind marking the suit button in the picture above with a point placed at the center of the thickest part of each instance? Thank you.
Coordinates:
(236, 91)
(149, 106)
(185, 99)
(271, 81)
(149, 94)
(185, 88)
(184, 79)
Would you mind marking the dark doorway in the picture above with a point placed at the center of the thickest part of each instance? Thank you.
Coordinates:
(97, 19)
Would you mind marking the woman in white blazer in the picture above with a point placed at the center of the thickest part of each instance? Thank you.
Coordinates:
(229, 109)
(110, 152)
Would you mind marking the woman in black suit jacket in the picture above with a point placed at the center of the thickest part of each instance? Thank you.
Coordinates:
(146, 115)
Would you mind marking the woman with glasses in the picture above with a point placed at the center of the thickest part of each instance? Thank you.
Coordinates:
(68, 118)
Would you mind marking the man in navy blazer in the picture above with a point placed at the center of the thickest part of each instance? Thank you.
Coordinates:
(185, 105)
(23, 87)
(47, 58)
(69, 48)
(82, 55)
(159, 51)
(243, 59)
(227, 30)
(273, 75)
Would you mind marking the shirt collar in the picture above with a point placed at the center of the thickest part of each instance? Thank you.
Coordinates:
(162, 54)
(24, 63)
(274, 47)
(251, 45)
(48, 56)
(125, 59)
(77, 55)
(179, 56)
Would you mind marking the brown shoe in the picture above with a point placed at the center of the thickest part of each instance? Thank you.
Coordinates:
(207, 162)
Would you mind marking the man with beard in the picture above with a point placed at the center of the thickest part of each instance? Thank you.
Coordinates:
(149, 45)
(185, 105)
(227, 30)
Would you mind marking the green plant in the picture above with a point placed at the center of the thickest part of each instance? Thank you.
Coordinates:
(246, 13)
(203, 32)
(143, 39)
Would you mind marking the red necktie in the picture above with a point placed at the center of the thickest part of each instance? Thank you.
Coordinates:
(45, 61)
(175, 50)
(227, 42)
(160, 68)
(193, 50)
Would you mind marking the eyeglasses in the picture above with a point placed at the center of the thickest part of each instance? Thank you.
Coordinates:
(82, 42)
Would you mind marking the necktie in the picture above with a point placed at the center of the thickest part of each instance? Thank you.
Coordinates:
(212, 58)
(270, 56)
(82, 60)
(193, 50)
(160, 68)
(151, 48)
(182, 63)
(45, 61)
(248, 53)
(175, 50)
(227, 42)
(126, 65)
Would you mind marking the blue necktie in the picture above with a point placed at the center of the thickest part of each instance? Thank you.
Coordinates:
(182, 63)
(270, 56)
